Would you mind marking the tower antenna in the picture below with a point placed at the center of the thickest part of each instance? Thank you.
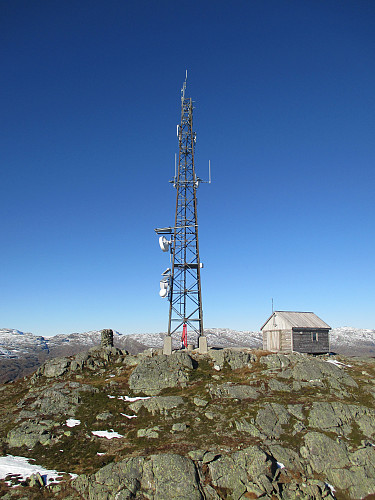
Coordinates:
(182, 283)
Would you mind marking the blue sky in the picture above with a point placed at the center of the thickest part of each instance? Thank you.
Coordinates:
(285, 111)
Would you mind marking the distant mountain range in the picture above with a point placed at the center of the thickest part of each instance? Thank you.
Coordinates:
(21, 353)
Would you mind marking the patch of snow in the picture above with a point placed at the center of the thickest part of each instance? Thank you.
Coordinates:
(131, 400)
(337, 363)
(280, 465)
(217, 368)
(72, 422)
(100, 454)
(128, 416)
(20, 466)
(330, 487)
(111, 397)
(107, 434)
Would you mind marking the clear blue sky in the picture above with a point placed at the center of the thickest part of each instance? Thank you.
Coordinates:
(285, 110)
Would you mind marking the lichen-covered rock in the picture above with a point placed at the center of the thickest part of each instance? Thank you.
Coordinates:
(175, 477)
(152, 433)
(158, 477)
(233, 391)
(116, 480)
(340, 417)
(200, 402)
(158, 404)
(359, 478)
(270, 419)
(59, 399)
(54, 368)
(30, 433)
(287, 457)
(152, 375)
(276, 361)
(235, 358)
(243, 469)
(324, 454)
(278, 386)
(244, 426)
(316, 370)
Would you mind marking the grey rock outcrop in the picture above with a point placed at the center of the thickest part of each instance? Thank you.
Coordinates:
(233, 391)
(235, 358)
(158, 477)
(339, 418)
(95, 358)
(152, 375)
(30, 433)
(158, 404)
(59, 399)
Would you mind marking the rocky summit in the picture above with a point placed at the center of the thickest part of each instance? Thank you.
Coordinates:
(231, 424)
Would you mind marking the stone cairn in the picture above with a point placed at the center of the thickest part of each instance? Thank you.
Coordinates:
(106, 338)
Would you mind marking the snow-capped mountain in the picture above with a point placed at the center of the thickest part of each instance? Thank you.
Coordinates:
(21, 353)
(14, 343)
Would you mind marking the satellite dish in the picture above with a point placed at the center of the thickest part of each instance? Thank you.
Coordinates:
(164, 284)
(164, 243)
(164, 288)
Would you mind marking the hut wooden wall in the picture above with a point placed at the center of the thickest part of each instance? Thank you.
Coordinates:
(305, 342)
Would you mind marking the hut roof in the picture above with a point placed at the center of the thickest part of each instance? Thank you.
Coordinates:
(299, 319)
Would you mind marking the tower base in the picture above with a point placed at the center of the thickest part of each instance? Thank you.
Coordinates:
(202, 345)
(167, 348)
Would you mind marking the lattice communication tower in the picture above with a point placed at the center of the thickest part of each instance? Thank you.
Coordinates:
(182, 283)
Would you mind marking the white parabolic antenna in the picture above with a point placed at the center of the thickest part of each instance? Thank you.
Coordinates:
(163, 293)
(164, 243)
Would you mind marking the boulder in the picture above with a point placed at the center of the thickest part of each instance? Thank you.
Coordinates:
(54, 368)
(152, 433)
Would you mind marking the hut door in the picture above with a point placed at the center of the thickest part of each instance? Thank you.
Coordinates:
(273, 341)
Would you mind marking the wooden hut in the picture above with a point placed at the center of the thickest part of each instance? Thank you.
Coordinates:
(288, 331)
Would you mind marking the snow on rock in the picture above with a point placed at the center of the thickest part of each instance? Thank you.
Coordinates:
(20, 466)
(131, 400)
(128, 416)
(72, 422)
(337, 363)
(107, 434)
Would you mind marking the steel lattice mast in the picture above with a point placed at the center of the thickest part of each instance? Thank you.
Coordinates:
(182, 283)
(185, 293)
